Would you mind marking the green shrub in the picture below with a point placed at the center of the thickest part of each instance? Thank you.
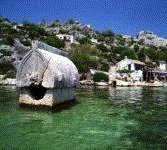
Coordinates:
(6, 66)
(85, 40)
(124, 71)
(10, 74)
(26, 42)
(55, 42)
(104, 67)
(108, 33)
(5, 52)
(85, 49)
(33, 31)
(62, 31)
(102, 47)
(8, 40)
(83, 62)
(99, 76)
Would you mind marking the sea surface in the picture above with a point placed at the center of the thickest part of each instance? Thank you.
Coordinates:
(100, 119)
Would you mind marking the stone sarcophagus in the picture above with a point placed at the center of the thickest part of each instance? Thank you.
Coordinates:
(45, 77)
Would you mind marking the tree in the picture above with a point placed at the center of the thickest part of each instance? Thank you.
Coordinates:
(84, 57)
(85, 40)
(120, 40)
(108, 33)
(129, 53)
(33, 31)
(99, 76)
(83, 62)
(151, 53)
(102, 47)
(85, 49)
(8, 40)
(124, 51)
(63, 31)
(136, 48)
(100, 38)
(162, 53)
(141, 55)
(104, 67)
(6, 66)
(55, 42)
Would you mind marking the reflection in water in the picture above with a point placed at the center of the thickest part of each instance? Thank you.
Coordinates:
(114, 118)
(147, 107)
(125, 94)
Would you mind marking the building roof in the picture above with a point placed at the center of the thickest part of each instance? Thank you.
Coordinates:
(156, 71)
(49, 48)
(133, 61)
(138, 62)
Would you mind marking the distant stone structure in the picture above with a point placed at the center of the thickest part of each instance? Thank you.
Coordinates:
(149, 38)
(45, 77)
(66, 37)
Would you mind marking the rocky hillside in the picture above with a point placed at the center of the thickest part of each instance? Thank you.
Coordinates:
(87, 47)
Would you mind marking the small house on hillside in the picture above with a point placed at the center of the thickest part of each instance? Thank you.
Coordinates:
(130, 64)
(128, 70)
(66, 37)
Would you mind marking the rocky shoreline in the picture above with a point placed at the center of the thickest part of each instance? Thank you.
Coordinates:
(120, 83)
(7, 81)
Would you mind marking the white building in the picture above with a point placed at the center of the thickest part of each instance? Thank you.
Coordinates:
(130, 64)
(163, 66)
(135, 68)
(94, 41)
(127, 37)
(66, 37)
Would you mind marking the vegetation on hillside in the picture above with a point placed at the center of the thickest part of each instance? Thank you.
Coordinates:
(54, 41)
(99, 77)
(109, 49)
(84, 57)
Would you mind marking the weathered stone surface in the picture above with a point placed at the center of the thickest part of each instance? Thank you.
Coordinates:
(49, 69)
(51, 49)
(52, 97)
(52, 72)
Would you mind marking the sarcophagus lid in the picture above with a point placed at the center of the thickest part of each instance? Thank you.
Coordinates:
(51, 70)
(45, 77)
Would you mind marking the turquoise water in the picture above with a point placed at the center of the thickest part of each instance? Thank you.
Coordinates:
(102, 119)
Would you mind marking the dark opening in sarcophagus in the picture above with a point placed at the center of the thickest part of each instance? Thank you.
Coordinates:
(45, 77)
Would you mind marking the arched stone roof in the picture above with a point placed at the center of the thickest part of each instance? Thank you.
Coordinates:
(48, 69)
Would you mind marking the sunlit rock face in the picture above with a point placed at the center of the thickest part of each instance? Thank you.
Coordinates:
(149, 38)
(46, 78)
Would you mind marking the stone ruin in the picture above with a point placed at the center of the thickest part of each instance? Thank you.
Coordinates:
(46, 77)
